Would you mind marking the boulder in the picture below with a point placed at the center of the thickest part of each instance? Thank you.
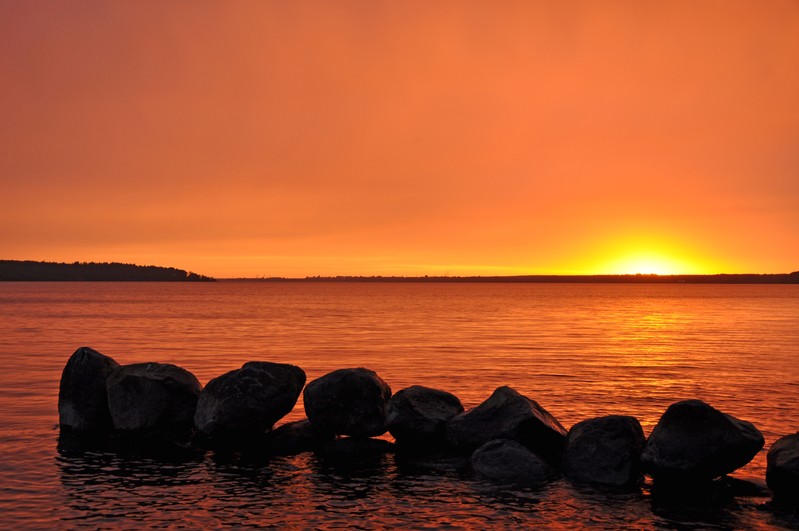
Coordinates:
(355, 448)
(348, 402)
(693, 441)
(605, 450)
(417, 416)
(415, 463)
(295, 438)
(510, 462)
(152, 397)
(82, 395)
(782, 469)
(246, 402)
(508, 415)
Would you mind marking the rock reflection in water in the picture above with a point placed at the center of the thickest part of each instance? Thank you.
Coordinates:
(104, 487)
(366, 491)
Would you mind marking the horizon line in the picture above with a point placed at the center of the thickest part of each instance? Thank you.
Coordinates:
(792, 277)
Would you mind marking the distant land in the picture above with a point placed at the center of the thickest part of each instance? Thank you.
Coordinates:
(779, 278)
(28, 270)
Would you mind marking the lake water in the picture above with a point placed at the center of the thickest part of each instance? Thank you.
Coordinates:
(579, 350)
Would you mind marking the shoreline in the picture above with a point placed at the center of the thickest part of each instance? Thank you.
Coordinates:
(724, 278)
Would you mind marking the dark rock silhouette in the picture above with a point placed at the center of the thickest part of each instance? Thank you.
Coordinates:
(508, 415)
(295, 438)
(348, 402)
(354, 448)
(417, 416)
(507, 461)
(507, 439)
(157, 398)
(693, 441)
(245, 403)
(605, 450)
(425, 462)
(782, 472)
(82, 395)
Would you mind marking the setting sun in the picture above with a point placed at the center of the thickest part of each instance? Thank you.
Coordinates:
(648, 264)
(653, 253)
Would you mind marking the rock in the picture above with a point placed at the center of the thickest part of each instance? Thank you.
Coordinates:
(683, 498)
(693, 441)
(348, 402)
(152, 397)
(508, 415)
(82, 395)
(427, 462)
(295, 438)
(245, 403)
(686, 497)
(746, 488)
(417, 416)
(354, 448)
(605, 450)
(782, 469)
(507, 461)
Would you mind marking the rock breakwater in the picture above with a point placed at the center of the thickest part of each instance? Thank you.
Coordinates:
(507, 439)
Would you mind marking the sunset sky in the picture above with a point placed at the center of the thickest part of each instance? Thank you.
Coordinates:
(304, 138)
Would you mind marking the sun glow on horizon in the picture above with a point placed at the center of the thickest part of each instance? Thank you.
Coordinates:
(647, 264)
(649, 256)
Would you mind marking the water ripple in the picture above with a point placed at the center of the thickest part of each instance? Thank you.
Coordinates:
(580, 351)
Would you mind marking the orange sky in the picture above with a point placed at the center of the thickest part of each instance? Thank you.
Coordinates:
(304, 138)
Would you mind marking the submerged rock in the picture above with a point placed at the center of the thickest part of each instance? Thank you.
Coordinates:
(246, 402)
(355, 448)
(782, 471)
(417, 416)
(507, 461)
(427, 462)
(508, 415)
(295, 438)
(605, 450)
(348, 402)
(152, 397)
(693, 441)
(82, 394)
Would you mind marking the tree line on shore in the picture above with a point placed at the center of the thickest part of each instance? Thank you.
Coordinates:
(28, 270)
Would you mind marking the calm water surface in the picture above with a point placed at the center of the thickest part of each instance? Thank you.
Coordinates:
(579, 350)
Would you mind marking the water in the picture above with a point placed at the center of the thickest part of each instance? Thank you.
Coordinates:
(579, 350)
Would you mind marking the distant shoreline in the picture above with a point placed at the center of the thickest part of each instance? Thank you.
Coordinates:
(32, 271)
(776, 278)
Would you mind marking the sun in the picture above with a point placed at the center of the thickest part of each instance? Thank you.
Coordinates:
(647, 264)
(648, 257)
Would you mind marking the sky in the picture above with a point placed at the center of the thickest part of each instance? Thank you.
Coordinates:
(249, 138)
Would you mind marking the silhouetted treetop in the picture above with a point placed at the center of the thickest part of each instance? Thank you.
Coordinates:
(25, 270)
